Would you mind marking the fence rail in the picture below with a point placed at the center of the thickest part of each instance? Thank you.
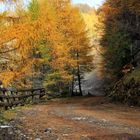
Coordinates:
(11, 98)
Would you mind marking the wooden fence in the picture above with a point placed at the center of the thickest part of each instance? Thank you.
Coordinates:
(11, 98)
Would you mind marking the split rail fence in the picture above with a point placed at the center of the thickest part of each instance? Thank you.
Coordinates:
(9, 99)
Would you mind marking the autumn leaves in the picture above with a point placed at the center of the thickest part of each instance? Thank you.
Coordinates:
(48, 33)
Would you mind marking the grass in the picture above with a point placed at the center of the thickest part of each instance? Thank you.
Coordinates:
(8, 115)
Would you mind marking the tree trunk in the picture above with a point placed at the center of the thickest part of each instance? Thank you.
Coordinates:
(72, 87)
(79, 76)
(79, 81)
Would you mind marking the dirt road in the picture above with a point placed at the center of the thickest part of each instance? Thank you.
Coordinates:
(79, 119)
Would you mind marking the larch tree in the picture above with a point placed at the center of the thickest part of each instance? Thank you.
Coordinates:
(73, 28)
(49, 34)
(22, 37)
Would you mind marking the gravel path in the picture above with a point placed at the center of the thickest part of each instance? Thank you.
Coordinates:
(118, 127)
(77, 119)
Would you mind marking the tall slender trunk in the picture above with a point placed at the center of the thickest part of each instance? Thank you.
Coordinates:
(72, 86)
(79, 80)
(78, 75)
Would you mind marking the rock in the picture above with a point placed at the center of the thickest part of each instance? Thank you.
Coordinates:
(18, 131)
(65, 135)
(78, 118)
(104, 120)
(48, 130)
(37, 139)
(6, 132)
(5, 126)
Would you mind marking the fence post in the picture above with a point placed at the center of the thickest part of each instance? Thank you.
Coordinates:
(32, 95)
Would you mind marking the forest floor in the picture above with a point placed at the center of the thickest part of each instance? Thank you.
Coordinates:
(90, 118)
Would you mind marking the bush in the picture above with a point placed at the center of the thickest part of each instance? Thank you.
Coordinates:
(127, 93)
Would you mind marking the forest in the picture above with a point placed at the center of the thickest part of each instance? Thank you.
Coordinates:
(51, 44)
(66, 50)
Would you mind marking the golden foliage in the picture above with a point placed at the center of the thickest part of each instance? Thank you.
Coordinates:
(58, 26)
